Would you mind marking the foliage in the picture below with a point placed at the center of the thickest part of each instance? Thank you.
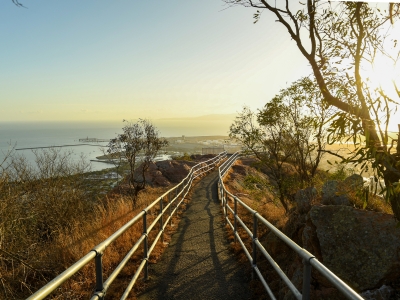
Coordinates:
(185, 156)
(341, 172)
(268, 144)
(139, 144)
(37, 202)
(339, 39)
(47, 223)
(288, 133)
(303, 116)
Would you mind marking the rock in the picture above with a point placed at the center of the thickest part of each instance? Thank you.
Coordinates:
(354, 182)
(242, 170)
(158, 179)
(383, 293)
(361, 247)
(304, 198)
(340, 200)
(163, 173)
(327, 294)
(329, 190)
(297, 280)
(174, 171)
(334, 194)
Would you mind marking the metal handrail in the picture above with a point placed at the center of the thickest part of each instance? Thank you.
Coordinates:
(309, 260)
(177, 193)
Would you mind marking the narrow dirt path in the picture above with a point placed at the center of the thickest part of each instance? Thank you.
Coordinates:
(198, 263)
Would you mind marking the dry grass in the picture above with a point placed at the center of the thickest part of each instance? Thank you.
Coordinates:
(111, 216)
(76, 240)
(258, 197)
(46, 225)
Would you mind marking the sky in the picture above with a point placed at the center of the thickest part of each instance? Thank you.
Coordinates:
(112, 60)
(102, 60)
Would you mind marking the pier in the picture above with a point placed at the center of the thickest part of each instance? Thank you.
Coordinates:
(93, 140)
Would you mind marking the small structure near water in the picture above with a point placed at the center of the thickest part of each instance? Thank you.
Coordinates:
(93, 140)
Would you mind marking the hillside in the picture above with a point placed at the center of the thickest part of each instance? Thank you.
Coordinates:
(357, 244)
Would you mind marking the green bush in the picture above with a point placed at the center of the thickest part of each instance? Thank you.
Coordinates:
(341, 172)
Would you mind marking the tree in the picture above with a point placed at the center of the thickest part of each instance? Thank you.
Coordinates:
(338, 39)
(300, 107)
(268, 144)
(287, 133)
(139, 144)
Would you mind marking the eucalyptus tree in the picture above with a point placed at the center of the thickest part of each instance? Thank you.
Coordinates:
(288, 132)
(302, 109)
(339, 39)
(139, 144)
(268, 142)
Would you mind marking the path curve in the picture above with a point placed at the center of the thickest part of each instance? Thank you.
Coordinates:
(198, 263)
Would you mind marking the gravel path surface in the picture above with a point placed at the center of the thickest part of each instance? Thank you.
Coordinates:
(198, 264)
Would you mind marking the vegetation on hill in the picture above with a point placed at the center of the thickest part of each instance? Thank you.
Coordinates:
(288, 136)
(138, 145)
(253, 186)
(54, 212)
(340, 41)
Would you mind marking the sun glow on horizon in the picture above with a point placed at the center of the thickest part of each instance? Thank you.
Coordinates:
(384, 74)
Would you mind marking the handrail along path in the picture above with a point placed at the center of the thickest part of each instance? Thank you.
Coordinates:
(174, 196)
(308, 259)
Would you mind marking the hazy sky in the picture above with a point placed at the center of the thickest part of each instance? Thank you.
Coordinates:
(99, 60)
(114, 60)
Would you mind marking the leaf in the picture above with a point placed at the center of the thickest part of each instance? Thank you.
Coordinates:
(364, 204)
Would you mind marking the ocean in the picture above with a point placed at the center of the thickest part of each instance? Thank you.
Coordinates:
(22, 135)
(49, 134)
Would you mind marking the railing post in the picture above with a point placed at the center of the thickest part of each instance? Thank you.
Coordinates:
(170, 209)
(234, 219)
(225, 209)
(220, 191)
(306, 279)
(99, 272)
(254, 246)
(161, 219)
(145, 246)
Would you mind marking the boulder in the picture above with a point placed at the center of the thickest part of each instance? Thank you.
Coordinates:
(174, 171)
(383, 293)
(354, 182)
(304, 199)
(361, 247)
(333, 193)
(340, 200)
(329, 190)
(163, 173)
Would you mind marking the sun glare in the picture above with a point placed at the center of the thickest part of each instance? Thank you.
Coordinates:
(384, 73)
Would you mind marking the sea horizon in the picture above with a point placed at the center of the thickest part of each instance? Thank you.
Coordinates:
(41, 134)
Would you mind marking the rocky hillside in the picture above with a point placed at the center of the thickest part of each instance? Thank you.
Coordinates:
(360, 246)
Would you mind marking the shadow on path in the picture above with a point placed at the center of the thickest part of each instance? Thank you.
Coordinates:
(198, 264)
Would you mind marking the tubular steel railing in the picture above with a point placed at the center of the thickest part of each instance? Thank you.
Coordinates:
(176, 195)
(308, 259)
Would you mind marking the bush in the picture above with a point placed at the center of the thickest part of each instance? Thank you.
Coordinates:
(341, 172)
(185, 156)
(36, 203)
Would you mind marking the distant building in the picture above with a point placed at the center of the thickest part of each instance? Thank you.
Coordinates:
(111, 175)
